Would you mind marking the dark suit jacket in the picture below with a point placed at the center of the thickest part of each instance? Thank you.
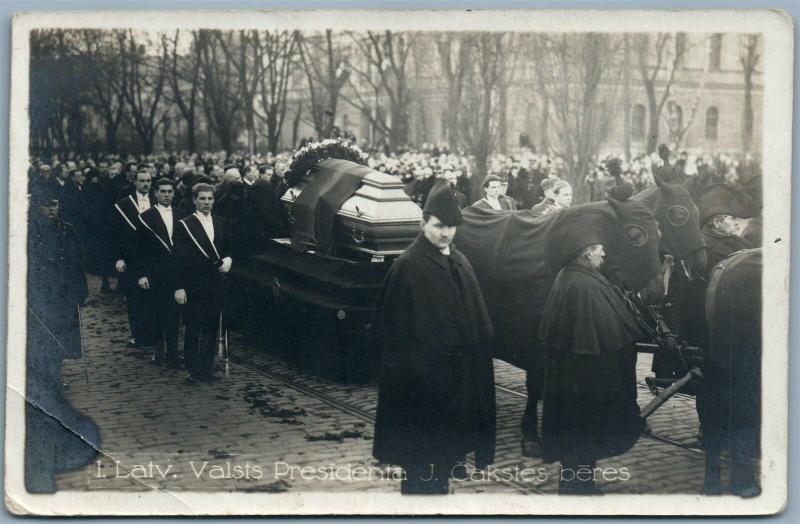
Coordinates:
(198, 259)
(506, 203)
(126, 216)
(154, 255)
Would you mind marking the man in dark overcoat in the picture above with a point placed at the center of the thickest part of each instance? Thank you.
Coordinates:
(590, 409)
(203, 249)
(57, 438)
(153, 269)
(436, 398)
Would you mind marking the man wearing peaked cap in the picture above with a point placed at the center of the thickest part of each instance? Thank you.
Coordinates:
(720, 206)
(436, 397)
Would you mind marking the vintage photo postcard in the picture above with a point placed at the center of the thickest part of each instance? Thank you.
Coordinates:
(399, 263)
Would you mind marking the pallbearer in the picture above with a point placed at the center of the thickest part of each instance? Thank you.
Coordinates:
(154, 268)
(436, 401)
(139, 301)
(203, 248)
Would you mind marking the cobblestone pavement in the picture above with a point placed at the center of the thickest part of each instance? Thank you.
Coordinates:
(270, 427)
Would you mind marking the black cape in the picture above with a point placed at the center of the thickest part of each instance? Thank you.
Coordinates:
(590, 409)
(436, 399)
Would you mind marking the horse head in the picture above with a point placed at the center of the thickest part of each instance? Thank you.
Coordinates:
(679, 223)
(627, 230)
(633, 260)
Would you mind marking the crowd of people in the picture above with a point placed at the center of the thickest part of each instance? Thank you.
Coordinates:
(152, 224)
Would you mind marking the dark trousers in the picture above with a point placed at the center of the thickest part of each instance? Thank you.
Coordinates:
(141, 313)
(201, 317)
(167, 321)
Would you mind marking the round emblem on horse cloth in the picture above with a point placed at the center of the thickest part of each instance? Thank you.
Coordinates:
(637, 236)
(678, 216)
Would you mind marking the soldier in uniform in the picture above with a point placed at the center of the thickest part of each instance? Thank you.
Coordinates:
(154, 268)
(590, 409)
(203, 250)
(140, 301)
(436, 398)
(57, 438)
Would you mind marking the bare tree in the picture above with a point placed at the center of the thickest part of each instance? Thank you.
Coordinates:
(184, 76)
(477, 114)
(326, 73)
(658, 58)
(749, 57)
(105, 51)
(454, 61)
(278, 52)
(57, 91)
(244, 53)
(681, 131)
(144, 77)
(580, 75)
(218, 78)
(380, 77)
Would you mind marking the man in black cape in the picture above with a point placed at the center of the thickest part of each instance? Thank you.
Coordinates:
(436, 399)
(590, 409)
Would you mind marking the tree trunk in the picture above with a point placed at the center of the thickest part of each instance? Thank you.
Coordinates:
(502, 123)
(251, 131)
(296, 125)
(627, 97)
(747, 116)
(544, 124)
(652, 121)
(111, 139)
(191, 136)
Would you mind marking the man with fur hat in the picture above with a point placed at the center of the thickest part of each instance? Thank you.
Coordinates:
(590, 409)
(436, 398)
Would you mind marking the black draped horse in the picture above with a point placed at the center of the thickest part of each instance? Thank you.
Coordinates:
(507, 250)
(732, 372)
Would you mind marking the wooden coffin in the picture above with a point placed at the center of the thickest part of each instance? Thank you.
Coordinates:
(379, 219)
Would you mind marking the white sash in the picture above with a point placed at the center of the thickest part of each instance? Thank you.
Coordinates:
(154, 233)
(196, 243)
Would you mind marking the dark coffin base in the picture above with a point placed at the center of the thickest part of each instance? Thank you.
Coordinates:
(310, 310)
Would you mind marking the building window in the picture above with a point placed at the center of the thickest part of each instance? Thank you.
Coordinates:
(712, 123)
(715, 51)
(637, 122)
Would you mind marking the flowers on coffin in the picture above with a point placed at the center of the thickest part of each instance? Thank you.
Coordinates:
(311, 154)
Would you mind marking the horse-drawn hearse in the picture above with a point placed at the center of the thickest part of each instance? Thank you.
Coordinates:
(315, 289)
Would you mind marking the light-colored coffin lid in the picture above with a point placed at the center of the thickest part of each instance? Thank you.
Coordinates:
(380, 200)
